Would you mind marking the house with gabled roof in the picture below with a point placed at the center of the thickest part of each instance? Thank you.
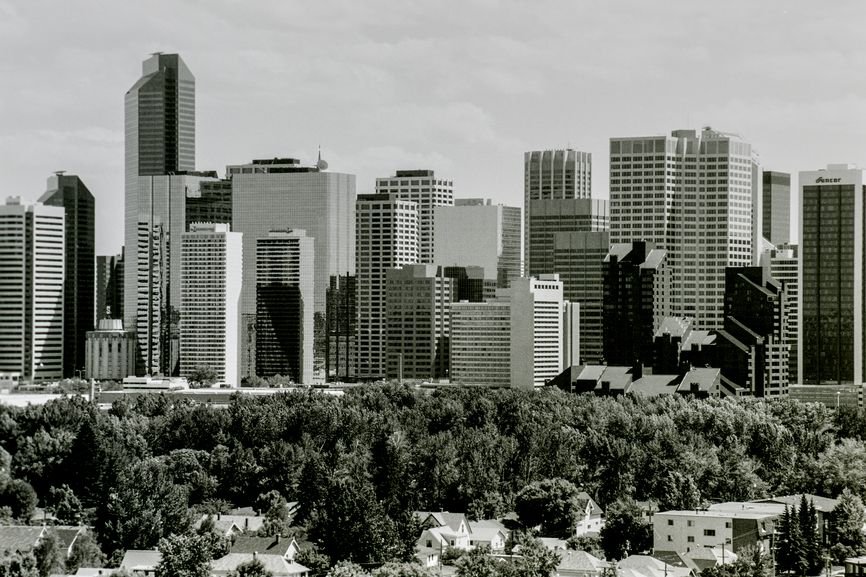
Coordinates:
(141, 562)
(276, 545)
(591, 519)
(276, 565)
(21, 538)
(578, 564)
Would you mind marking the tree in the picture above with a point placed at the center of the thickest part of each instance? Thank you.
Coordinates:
(808, 521)
(276, 514)
(591, 545)
(64, 504)
(624, 531)
(50, 555)
(535, 559)
(317, 563)
(17, 564)
(202, 376)
(402, 570)
(20, 497)
(848, 520)
(477, 563)
(551, 503)
(184, 556)
(790, 555)
(347, 569)
(85, 553)
(489, 505)
(252, 568)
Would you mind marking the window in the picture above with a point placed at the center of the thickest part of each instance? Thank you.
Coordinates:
(727, 524)
(429, 544)
(709, 532)
(690, 538)
(670, 521)
(690, 523)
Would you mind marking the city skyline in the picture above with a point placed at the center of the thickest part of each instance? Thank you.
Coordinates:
(346, 77)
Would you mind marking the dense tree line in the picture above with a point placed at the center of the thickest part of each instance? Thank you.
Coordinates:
(360, 464)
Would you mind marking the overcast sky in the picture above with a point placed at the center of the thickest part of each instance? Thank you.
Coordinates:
(461, 87)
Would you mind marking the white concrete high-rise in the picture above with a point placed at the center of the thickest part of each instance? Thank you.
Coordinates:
(691, 194)
(211, 261)
(32, 273)
(423, 188)
(783, 263)
(475, 232)
(386, 237)
(284, 305)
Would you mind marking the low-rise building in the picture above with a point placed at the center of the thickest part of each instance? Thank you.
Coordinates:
(683, 531)
(109, 352)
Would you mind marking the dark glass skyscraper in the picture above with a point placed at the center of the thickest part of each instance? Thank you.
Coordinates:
(68, 191)
(832, 269)
(776, 200)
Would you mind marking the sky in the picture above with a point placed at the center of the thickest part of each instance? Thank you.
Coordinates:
(460, 87)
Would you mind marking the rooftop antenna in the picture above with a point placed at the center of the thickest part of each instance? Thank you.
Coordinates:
(321, 164)
(59, 172)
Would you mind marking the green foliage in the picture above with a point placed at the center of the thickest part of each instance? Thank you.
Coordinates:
(50, 555)
(750, 563)
(402, 570)
(477, 563)
(276, 514)
(17, 564)
(252, 568)
(85, 553)
(798, 547)
(184, 556)
(847, 522)
(347, 569)
(551, 503)
(202, 376)
(65, 506)
(534, 559)
(20, 498)
(624, 532)
(590, 544)
(317, 563)
(450, 555)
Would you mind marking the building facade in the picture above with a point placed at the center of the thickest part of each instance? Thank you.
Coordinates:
(68, 191)
(386, 232)
(109, 287)
(284, 305)
(418, 322)
(783, 262)
(692, 195)
(549, 217)
(32, 273)
(536, 330)
(491, 230)
(635, 300)
(342, 328)
(776, 215)
(552, 175)
(210, 201)
(832, 267)
(481, 342)
(578, 259)
(282, 193)
(110, 352)
(428, 192)
(211, 261)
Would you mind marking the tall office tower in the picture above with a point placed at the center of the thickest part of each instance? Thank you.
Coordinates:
(110, 352)
(423, 188)
(691, 195)
(470, 283)
(636, 287)
(152, 269)
(211, 201)
(386, 233)
(342, 328)
(578, 259)
(750, 350)
(832, 263)
(32, 267)
(549, 217)
(516, 339)
(776, 207)
(475, 232)
(160, 159)
(417, 322)
(282, 193)
(782, 262)
(211, 260)
(68, 191)
(109, 287)
(552, 175)
(284, 305)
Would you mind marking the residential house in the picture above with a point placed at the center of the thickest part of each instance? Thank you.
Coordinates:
(591, 519)
(647, 566)
(250, 544)
(276, 565)
(229, 525)
(454, 527)
(141, 562)
(855, 566)
(683, 531)
(579, 564)
(488, 533)
(20, 538)
(430, 547)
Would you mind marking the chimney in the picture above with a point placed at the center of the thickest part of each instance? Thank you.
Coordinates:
(278, 537)
(219, 516)
(246, 523)
(255, 554)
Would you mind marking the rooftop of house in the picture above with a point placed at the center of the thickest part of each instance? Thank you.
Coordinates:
(585, 500)
(20, 537)
(223, 523)
(674, 326)
(141, 559)
(570, 560)
(655, 385)
(711, 514)
(650, 566)
(277, 565)
(444, 519)
(702, 379)
(254, 544)
(823, 504)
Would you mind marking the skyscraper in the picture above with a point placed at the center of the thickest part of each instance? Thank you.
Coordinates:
(32, 267)
(782, 262)
(475, 232)
(690, 194)
(386, 233)
(284, 305)
(68, 191)
(777, 207)
(210, 296)
(636, 283)
(423, 188)
(418, 322)
(552, 175)
(549, 217)
(832, 269)
(281, 193)
(160, 160)
(109, 287)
